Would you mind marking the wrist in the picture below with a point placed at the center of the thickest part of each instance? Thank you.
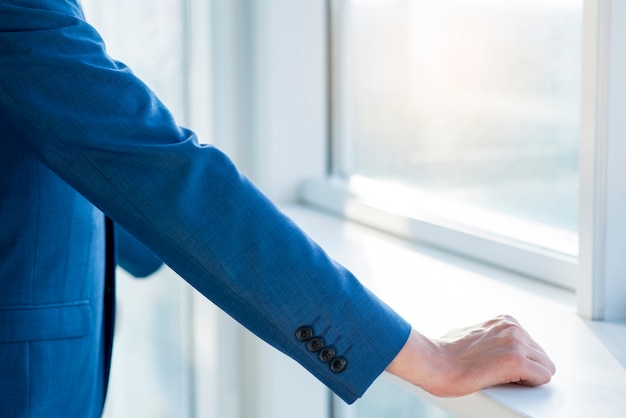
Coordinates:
(417, 363)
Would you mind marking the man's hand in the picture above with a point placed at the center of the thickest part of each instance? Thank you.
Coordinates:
(469, 359)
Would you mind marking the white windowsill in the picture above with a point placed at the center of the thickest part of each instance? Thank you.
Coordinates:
(437, 291)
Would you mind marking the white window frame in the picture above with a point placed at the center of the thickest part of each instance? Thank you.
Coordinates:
(601, 283)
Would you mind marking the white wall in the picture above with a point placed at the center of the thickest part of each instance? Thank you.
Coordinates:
(270, 90)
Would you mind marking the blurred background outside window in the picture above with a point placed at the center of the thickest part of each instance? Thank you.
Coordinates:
(474, 104)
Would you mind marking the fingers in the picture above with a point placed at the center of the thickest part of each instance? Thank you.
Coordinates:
(520, 339)
(518, 364)
(535, 352)
(540, 356)
(536, 372)
(527, 362)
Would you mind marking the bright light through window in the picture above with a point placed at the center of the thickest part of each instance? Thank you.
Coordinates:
(476, 102)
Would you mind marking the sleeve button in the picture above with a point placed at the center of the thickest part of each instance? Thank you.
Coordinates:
(327, 354)
(304, 334)
(315, 344)
(338, 365)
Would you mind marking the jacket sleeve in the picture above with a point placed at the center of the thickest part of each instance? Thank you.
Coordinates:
(133, 256)
(93, 122)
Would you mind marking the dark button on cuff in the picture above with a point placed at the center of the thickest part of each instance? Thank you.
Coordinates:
(304, 334)
(338, 365)
(327, 354)
(315, 344)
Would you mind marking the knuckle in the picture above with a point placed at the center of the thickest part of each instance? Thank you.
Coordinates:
(508, 318)
(516, 359)
(513, 338)
(509, 328)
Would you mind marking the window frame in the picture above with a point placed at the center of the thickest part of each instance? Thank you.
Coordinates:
(336, 196)
(601, 287)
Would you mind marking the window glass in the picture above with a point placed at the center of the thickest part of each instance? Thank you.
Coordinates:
(472, 102)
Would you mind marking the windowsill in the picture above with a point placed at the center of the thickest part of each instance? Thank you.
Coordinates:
(437, 291)
(540, 251)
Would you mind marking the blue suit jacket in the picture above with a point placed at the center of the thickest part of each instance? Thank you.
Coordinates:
(82, 136)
